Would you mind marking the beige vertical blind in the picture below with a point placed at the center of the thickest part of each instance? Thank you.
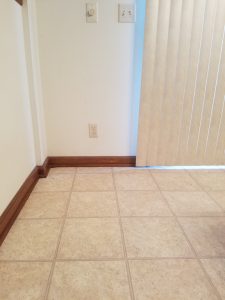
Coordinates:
(182, 115)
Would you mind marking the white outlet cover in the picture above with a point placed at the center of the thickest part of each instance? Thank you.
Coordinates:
(127, 13)
(93, 130)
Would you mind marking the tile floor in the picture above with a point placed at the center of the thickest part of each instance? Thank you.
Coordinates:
(117, 234)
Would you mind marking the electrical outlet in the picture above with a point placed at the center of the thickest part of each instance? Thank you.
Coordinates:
(93, 130)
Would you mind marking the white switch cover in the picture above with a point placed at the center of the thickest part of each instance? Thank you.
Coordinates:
(91, 12)
(127, 13)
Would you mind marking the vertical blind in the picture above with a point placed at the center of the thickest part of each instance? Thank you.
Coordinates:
(182, 115)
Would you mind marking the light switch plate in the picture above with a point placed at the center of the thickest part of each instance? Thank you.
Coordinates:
(127, 13)
(92, 12)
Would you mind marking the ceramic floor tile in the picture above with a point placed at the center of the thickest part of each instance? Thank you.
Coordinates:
(94, 170)
(142, 203)
(216, 271)
(93, 204)
(175, 181)
(93, 182)
(192, 204)
(45, 205)
(91, 238)
(99, 280)
(130, 170)
(170, 280)
(31, 240)
(218, 197)
(206, 235)
(66, 170)
(55, 183)
(169, 171)
(23, 280)
(134, 181)
(206, 170)
(154, 237)
(210, 181)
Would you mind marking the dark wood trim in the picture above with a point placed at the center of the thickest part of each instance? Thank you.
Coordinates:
(91, 161)
(44, 169)
(11, 212)
(20, 2)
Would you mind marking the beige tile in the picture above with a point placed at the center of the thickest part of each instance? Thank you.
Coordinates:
(93, 204)
(192, 204)
(91, 238)
(169, 171)
(45, 205)
(219, 197)
(206, 235)
(94, 170)
(206, 170)
(134, 181)
(55, 183)
(216, 271)
(210, 181)
(99, 280)
(179, 181)
(171, 279)
(142, 203)
(31, 240)
(154, 237)
(23, 280)
(66, 170)
(130, 170)
(93, 182)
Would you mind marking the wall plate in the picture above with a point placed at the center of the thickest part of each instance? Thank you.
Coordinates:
(127, 13)
(91, 12)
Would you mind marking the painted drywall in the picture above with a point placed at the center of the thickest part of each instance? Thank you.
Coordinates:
(91, 73)
(16, 141)
(31, 51)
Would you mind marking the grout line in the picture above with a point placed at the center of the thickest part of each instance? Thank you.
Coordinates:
(207, 192)
(200, 263)
(68, 191)
(59, 240)
(115, 259)
(26, 260)
(191, 246)
(218, 204)
(40, 218)
(175, 257)
(132, 190)
(90, 259)
(139, 258)
(44, 192)
(51, 192)
(124, 244)
(222, 215)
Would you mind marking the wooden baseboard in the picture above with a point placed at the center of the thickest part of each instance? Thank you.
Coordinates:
(91, 161)
(44, 169)
(13, 209)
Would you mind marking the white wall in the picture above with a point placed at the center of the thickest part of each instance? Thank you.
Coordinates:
(16, 142)
(31, 51)
(90, 74)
